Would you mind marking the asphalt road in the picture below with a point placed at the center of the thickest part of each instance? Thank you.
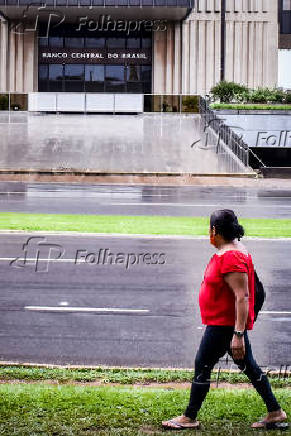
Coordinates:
(142, 200)
(165, 333)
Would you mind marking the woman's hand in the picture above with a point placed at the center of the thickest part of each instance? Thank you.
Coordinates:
(238, 348)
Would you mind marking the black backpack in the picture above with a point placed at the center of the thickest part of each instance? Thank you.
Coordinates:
(260, 295)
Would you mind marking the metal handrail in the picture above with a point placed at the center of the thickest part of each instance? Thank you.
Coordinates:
(230, 139)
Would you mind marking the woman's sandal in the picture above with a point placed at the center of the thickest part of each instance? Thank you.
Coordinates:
(173, 424)
(279, 424)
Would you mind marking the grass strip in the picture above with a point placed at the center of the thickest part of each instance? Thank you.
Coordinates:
(77, 410)
(126, 375)
(149, 225)
(256, 107)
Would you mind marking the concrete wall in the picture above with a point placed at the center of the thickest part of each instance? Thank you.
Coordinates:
(18, 59)
(251, 47)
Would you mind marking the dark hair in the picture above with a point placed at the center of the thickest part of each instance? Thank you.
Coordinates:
(226, 224)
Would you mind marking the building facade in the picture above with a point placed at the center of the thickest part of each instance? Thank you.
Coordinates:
(139, 46)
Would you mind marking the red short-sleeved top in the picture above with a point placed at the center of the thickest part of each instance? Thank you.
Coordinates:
(216, 299)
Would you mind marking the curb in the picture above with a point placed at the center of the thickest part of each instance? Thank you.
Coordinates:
(133, 236)
(144, 369)
(92, 173)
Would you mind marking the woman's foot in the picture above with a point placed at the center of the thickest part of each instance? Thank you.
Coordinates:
(180, 423)
(271, 418)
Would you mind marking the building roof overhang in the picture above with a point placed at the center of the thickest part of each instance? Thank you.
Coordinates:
(174, 10)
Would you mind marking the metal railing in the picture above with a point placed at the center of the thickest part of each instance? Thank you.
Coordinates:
(226, 137)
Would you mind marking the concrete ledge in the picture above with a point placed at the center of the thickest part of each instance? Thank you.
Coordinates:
(276, 172)
(80, 173)
(155, 179)
(251, 112)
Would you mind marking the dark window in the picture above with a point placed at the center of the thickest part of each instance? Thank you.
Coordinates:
(55, 86)
(74, 42)
(133, 73)
(146, 42)
(116, 42)
(94, 78)
(94, 73)
(91, 77)
(133, 43)
(43, 72)
(55, 41)
(135, 87)
(115, 87)
(115, 72)
(286, 17)
(74, 72)
(43, 41)
(95, 42)
(146, 73)
(55, 72)
(74, 86)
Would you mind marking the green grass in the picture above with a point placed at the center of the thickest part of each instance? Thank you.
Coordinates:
(151, 225)
(257, 107)
(123, 376)
(39, 409)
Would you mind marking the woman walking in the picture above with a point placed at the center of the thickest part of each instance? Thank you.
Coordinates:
(226, 302)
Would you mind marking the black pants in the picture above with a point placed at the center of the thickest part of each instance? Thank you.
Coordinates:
(214, 344)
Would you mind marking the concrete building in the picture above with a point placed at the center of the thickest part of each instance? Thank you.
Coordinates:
(141, 46)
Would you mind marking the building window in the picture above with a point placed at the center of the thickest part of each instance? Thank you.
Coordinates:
(116, 42)
(60, 71)
(74, 42)
(286, 17)
(94, 78)
(56, 42)
(95, 42)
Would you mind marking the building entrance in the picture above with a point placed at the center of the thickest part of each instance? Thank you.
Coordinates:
(106, 62)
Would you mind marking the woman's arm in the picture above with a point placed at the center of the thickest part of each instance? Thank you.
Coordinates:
(238, 282)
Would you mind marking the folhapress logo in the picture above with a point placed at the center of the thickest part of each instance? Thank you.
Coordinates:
(37, 252)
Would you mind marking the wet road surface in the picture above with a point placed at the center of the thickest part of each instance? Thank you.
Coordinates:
(161, 324)
(142, 200)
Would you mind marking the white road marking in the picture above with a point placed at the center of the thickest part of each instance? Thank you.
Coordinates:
(275, 312)
(33, 260)
(84, 309)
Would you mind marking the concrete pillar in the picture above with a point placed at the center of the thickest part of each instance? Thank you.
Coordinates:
(169, 59)
(201, 88)
(185, 58)
(159, 51)
(19, 60)
(251, 36)
(210, 57)
(28, 61)
(177, 59)
(193, 56)
(12, 59)
(3, 55)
